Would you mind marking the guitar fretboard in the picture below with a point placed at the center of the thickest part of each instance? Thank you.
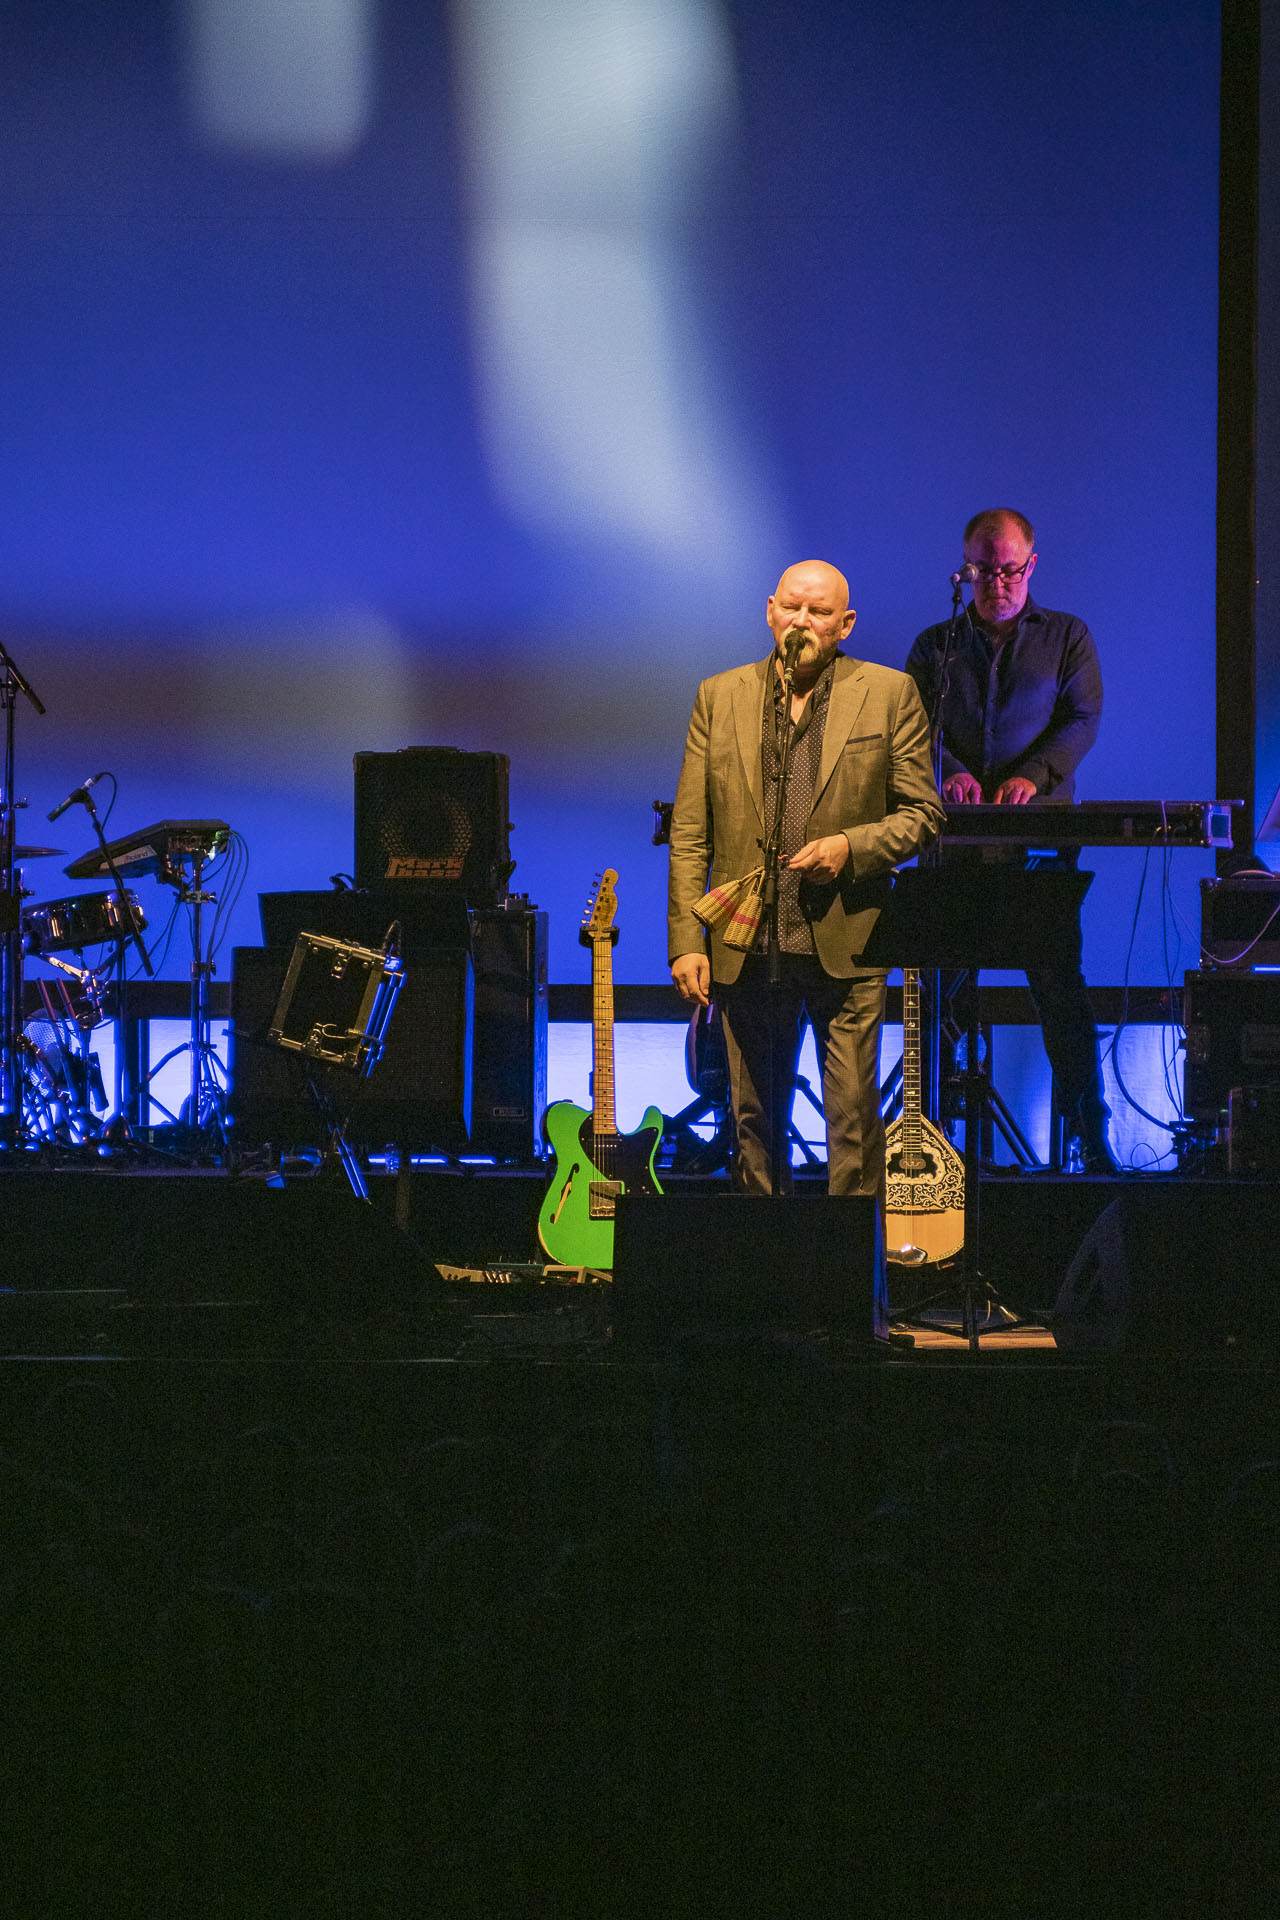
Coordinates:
(603, 1110)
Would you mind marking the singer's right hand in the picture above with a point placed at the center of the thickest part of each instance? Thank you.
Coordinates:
(692, 976)
(961, 788)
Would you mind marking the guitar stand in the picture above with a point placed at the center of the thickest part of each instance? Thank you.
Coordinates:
(691, 1154)
(981, 1308)
(967, 918)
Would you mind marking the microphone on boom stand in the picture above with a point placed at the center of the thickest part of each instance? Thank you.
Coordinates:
(793, 647)
(81, 793)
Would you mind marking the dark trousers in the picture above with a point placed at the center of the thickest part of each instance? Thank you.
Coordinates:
(1061, 999)
(846, 1016)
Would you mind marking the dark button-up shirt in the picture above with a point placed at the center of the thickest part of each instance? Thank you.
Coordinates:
(1030, 707)
(795, 934)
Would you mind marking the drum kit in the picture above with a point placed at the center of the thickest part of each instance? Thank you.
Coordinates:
(61, 1079)
(85, 939)
(51, 1089)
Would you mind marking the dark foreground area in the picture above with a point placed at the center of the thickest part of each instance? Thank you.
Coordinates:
(322, 1606)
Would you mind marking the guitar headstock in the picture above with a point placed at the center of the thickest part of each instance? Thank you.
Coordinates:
(597, 921)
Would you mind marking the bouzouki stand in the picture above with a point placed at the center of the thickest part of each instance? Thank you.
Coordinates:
(967, 918)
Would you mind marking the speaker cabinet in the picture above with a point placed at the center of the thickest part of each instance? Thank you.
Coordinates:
(418, 1095)
(509, 1071)
(434, 817)
(1232, 1023)
(425, 919)
(1184, 1269)
(509, 953)
(716, 1263)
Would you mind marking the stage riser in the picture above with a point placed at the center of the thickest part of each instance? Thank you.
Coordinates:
(174, 1238)
(204, 1237)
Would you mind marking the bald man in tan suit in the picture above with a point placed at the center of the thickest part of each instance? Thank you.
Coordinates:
(860, 799)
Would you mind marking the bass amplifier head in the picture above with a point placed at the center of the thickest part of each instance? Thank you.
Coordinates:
(434, 818)
(1240, 920)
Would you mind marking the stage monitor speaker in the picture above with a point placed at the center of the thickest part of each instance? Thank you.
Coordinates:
(1232, 1023)
(1185, 1269)
(509, 1063)
(718, 1263)
(433, 817)
(419, 1094)
(509, 952)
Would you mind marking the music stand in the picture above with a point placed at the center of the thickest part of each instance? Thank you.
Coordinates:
(967, 917)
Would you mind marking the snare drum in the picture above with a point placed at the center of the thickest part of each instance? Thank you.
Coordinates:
(61, 926)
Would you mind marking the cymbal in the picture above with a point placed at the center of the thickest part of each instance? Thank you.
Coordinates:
(36, 853)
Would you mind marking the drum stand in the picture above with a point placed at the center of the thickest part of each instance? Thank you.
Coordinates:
(63, 1084)
(203, 1116)
(117, 1131)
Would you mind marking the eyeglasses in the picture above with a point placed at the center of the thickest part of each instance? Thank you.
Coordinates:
(1008, 573)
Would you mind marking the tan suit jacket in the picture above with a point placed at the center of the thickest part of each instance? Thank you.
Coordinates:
(875, 785)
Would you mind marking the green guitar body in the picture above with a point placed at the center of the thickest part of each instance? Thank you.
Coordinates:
(575, 1222)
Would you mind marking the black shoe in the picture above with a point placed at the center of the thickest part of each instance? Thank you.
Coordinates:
(1098, 1158)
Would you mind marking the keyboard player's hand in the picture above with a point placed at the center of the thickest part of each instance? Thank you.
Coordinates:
(961, 787)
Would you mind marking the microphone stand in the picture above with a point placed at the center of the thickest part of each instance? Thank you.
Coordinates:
(932, 856)
(769, 909)
(12, 683)
(123, 1095)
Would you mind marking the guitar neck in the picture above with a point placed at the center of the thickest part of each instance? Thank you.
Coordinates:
(603, 1109)
(912, 1132)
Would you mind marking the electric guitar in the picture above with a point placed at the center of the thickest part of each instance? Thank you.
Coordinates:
(594, 1163)
(924, 1212)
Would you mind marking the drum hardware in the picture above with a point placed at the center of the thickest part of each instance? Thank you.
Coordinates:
(88, 1007)
(86, 920)
(164, 851)
(172, 845)
(125, 932)
(64, 1091)
(12, 683)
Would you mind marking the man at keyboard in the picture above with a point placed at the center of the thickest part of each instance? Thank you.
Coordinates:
(1021, 710)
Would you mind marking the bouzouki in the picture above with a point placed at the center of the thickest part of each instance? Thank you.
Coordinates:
(924, 1211)
(594, 1163)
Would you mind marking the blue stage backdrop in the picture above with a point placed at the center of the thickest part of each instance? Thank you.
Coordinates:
(389, 372)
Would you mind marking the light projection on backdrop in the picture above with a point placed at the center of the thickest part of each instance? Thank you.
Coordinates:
(285, 78)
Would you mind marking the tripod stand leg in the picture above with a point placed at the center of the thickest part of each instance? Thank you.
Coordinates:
(350, 1165)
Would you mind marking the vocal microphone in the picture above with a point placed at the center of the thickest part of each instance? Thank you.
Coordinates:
(81, 793)
(966, 575)
(793, 647)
